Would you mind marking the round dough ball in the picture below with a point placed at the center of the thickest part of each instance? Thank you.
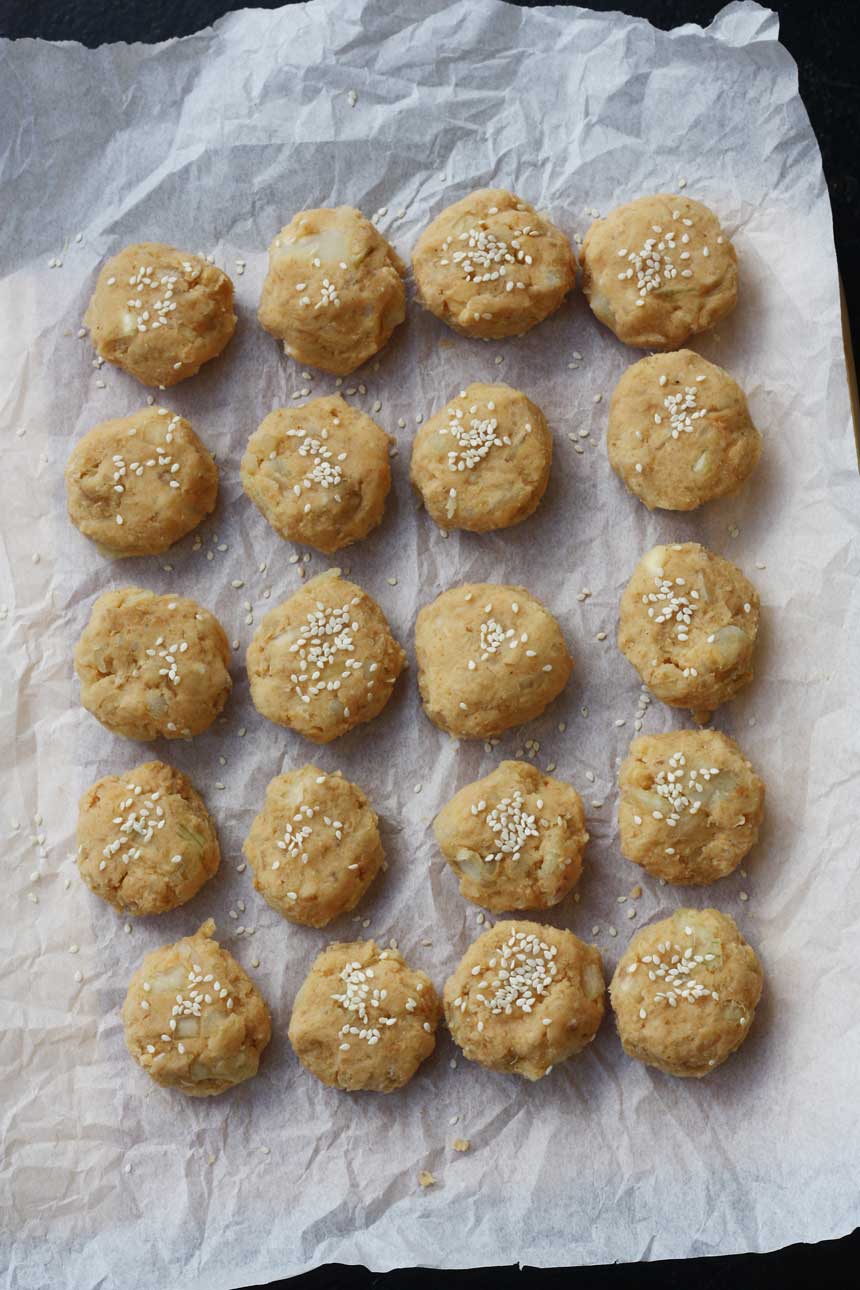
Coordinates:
(152, 666)
(138, 484)
(334, 291)
(146, 842)
(363, 1018)
(514, 839)
(688, 625)
(159, 313)
(525, 997)
(489, 657)
(325, 660)
(319, 473)
(194, 1020)
(483, 462)
(658, 270)
(314, 849)
(680, 432)
(691, 805)
(490, 266)
(685, 992)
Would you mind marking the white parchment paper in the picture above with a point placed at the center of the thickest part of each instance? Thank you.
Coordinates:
(212, 143)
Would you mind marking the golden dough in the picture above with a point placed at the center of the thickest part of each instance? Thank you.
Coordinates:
(159, 313)
(680, 432)
(319, 473)
(690, 805)
(489, 657)
(194, 1020)
(138, 484)
(334, 291)
(363, 1018)
(685, 992)
(483, 461)
(514, 838)
(325, 660)
(146, 842)
(688, 624)
(525, 997)
(152, 666)
(658, 270)
(314, 849)
(491, 266)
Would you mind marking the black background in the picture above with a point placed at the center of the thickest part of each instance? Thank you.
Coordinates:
(824, 39)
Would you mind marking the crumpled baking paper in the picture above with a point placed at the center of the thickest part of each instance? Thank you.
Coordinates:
(212, 143)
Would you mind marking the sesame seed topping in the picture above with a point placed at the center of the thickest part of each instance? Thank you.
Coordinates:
(192, 1001)
(512, 824)
(474, 438)
(358, 998)
(681, 410)
(487, 258)
(325, 651)
(521, 972)
(681, 787)
(323, 470)
(651, 266)
(677, 968)
(674, 605)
